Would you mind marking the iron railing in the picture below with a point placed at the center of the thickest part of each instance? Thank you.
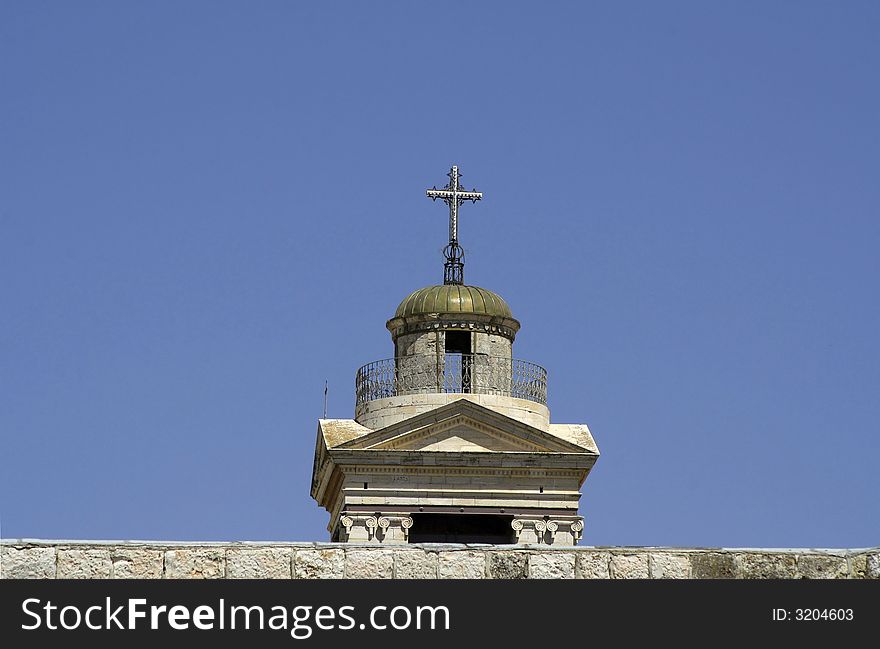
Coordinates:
(455, 373)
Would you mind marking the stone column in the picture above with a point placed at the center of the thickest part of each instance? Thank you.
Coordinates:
(539, 531)
(391, 529)
(419, 364)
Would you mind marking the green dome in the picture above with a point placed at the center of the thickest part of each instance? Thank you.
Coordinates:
(454, 298)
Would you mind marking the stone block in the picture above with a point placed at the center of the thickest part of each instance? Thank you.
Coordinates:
(415, 564)
(258, 563)
(766, 566)
(665, 565)
(195, 563)
(593, 564)
(136, 563)
(820, 566)
(551, 565)
(27, 563)
(319, 564)
(462, 565)
(872, 566)
(712, 565)
(629, 566)
(93, 563)
(369, 564)
(858, 566)
(508, 565)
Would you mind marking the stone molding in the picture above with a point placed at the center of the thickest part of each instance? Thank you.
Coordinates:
(421, 323)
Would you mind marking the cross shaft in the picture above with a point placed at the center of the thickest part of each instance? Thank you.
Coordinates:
(453, 195)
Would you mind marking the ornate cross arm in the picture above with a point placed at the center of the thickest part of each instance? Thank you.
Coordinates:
(448, 194)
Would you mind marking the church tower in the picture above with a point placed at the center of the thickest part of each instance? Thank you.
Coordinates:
(452, 440)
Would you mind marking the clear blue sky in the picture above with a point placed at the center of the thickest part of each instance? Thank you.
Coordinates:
(209, 208)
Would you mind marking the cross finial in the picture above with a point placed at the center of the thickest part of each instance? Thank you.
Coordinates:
(453, 195)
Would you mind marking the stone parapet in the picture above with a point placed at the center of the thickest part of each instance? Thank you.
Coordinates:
(31, 559)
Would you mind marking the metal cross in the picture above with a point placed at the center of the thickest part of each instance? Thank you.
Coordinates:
(453, 196)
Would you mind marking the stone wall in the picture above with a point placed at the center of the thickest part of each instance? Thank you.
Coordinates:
(380, 413)
(165, 560)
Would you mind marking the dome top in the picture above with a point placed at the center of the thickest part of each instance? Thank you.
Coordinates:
(454, 298)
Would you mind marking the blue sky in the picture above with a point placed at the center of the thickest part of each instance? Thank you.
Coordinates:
(207, 209)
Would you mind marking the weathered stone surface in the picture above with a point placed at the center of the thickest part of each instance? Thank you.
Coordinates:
(415, 564)
(865, 565)
(872, 566)
(319, 564)
(84, 564)
(858, 565)
(258, 563)
(629, 566)
(818, 566)
(593, 565)
(195, 563)
(369, 564)
(27, 563)
(551, 565)
(766, 566)
(508, 565)
(462, 565)
(23, 559)
(712, 565)
(665, 565)
(136, 563)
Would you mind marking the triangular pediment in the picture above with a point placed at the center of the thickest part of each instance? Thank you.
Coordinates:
(463, 426)
(459, 433)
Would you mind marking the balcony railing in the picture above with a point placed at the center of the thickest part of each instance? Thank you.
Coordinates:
(451, 373)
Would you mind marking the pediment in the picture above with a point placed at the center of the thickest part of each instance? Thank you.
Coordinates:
(463, 426)
(458, 433)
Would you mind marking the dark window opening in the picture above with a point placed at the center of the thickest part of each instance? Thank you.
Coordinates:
(458, 361)
(458, 342)
(461, 528)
